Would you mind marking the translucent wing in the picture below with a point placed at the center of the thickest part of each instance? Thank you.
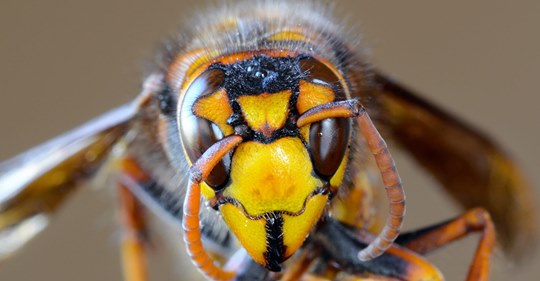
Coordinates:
(34, 183)
(473, 169)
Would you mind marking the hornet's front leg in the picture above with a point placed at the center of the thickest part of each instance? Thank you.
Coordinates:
(341, 244)
(476, 220)
(403, 262)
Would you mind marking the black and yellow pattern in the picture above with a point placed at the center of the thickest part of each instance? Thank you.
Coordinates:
(272, 194)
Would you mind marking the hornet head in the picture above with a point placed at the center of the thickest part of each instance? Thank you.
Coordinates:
(273, 187)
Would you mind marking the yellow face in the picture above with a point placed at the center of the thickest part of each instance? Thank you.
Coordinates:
(273, 188)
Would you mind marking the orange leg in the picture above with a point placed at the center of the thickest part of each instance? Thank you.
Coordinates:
(474, 220)
(421, 241)
(133, 258)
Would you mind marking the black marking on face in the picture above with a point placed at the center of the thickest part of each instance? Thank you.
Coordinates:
(257, 75)
(275, 248)
(261, 74)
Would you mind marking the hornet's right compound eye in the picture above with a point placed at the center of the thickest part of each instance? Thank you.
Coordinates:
(198, 132)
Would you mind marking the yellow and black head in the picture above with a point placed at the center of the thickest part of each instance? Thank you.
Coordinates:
(273, 188)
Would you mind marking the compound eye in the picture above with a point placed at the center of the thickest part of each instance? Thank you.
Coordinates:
(197, 133)
(328, 141)
(318, 73)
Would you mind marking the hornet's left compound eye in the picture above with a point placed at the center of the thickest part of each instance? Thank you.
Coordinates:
(328, 139)
(198, 126)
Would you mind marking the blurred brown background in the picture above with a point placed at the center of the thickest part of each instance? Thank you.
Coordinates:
(64, 62)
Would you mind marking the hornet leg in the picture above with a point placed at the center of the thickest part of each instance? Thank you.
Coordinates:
(475, 220)
(133, 226)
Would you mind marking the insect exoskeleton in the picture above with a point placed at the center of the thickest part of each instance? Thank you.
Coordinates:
(263, 112)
